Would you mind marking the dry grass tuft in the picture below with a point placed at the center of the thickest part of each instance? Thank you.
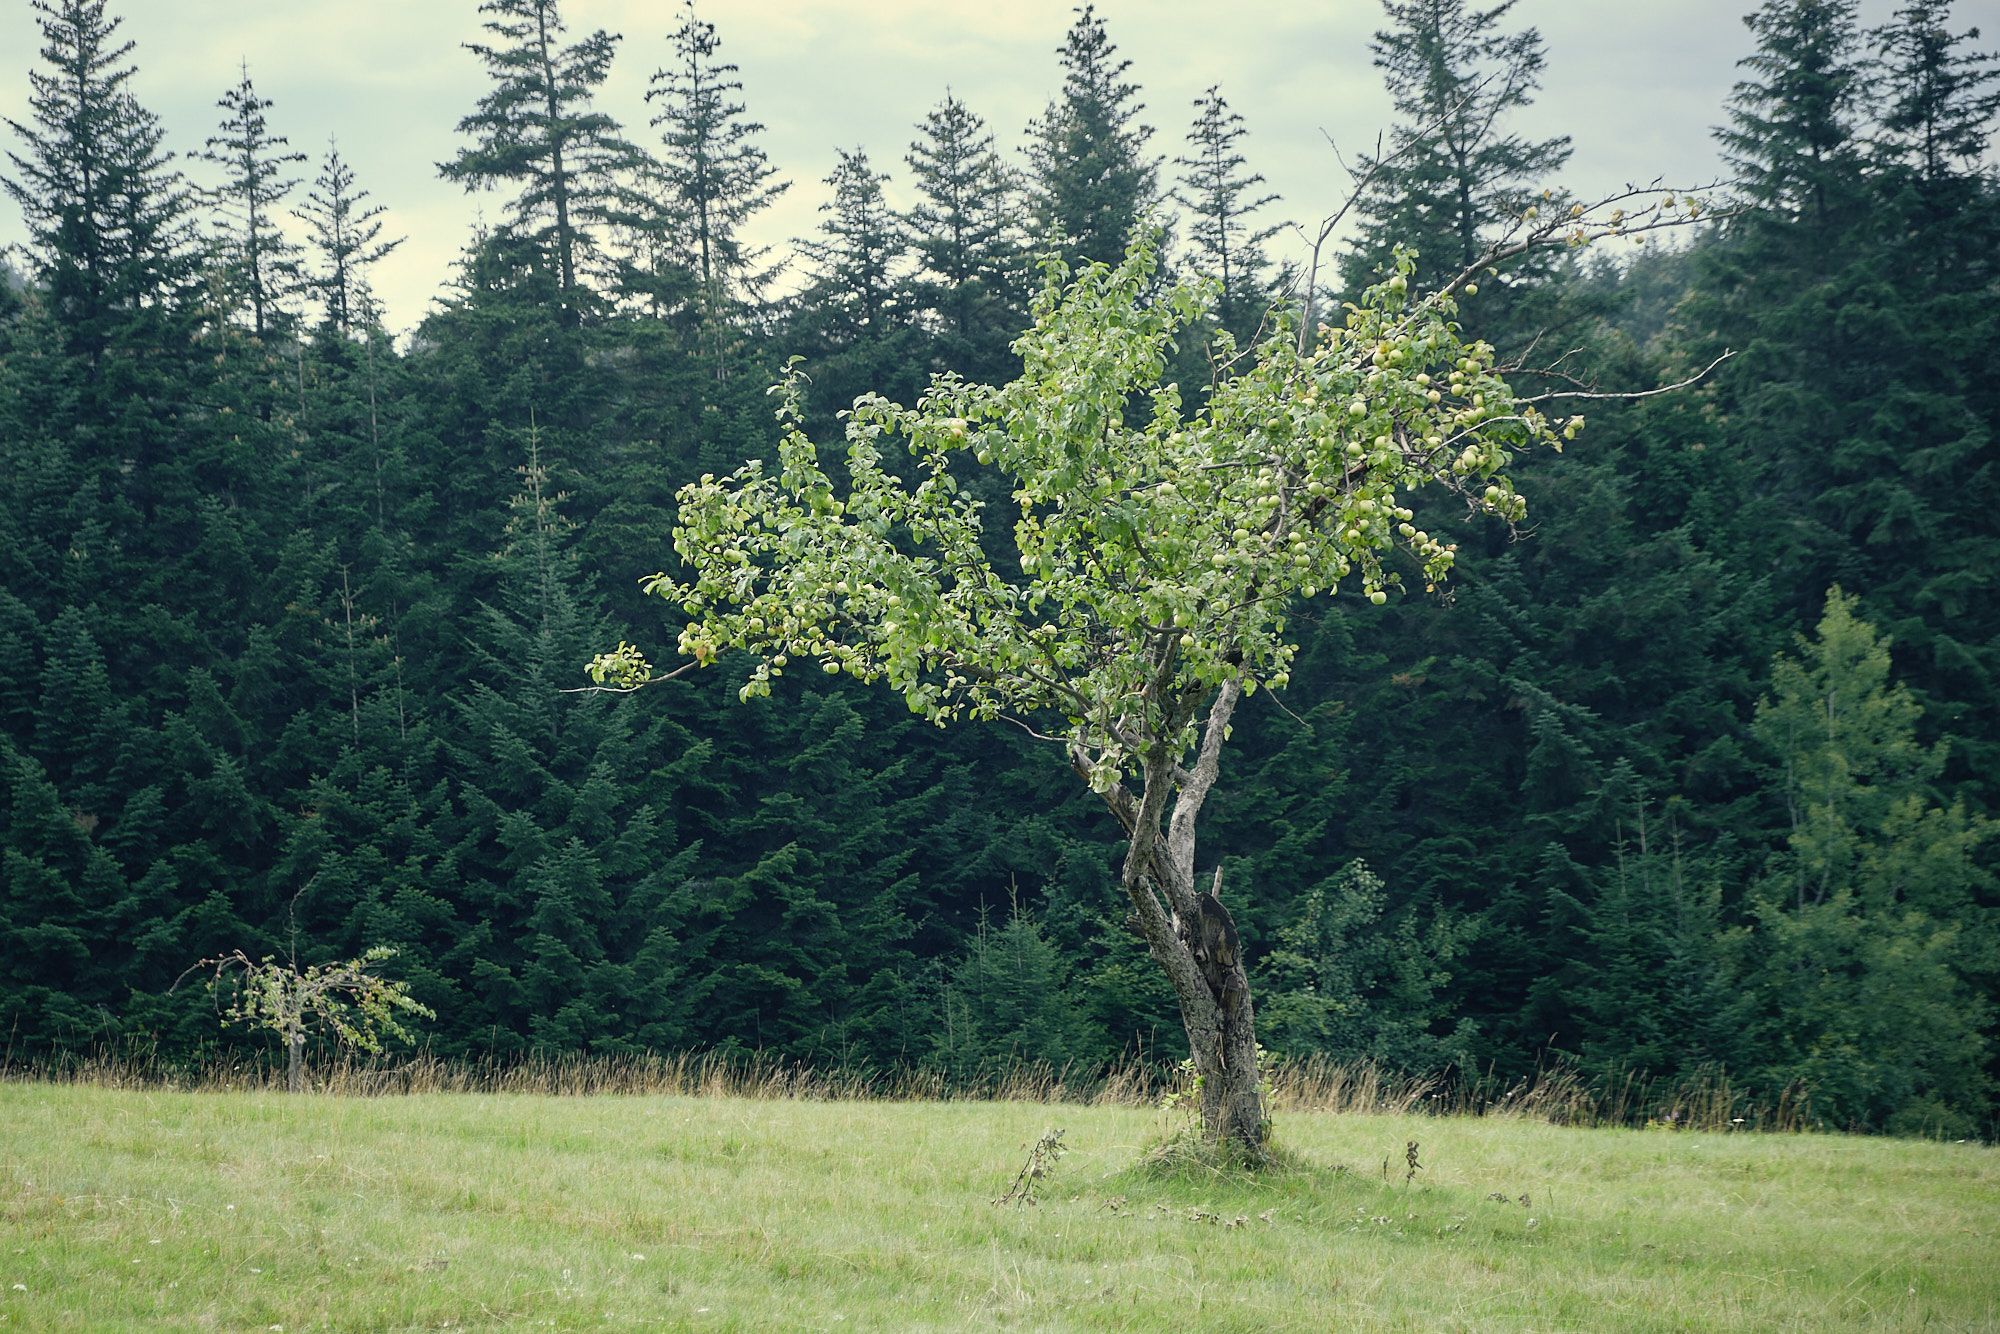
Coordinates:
(1557, 1094)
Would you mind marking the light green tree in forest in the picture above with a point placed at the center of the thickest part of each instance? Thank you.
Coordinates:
(1876, 918)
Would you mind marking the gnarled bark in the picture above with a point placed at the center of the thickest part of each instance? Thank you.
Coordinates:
(1192, 936)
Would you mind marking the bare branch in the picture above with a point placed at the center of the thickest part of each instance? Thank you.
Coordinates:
(1377, 163)
(1625, 397)
(1584, 223)
(1195, 790)
(1023, 725)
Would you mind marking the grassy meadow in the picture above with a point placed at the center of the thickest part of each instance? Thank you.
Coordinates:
(251, 1210)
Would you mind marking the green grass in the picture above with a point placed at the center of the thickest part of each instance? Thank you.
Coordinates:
(247, 1211)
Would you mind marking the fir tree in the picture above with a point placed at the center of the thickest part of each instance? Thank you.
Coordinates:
(856, 254)
(1877, 916)
(1007, 1002)
(264, 262)
(965, 241)
(1873, 450)
(1090, 178)
(1942, 98)
(536, 128)
(716, 176)
(55, 888)
(1454, 169)
(1221, 195)
(553, 830)
(106, 215)
(1792, 135)
(1343, 982)
(346, 232)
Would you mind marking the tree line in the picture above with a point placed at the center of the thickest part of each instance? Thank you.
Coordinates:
(1695, 775)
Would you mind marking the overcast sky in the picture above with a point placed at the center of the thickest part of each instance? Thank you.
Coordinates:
(1637, 86)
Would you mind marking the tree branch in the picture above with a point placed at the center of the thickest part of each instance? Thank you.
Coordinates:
(1696, 378)
(1195, 789)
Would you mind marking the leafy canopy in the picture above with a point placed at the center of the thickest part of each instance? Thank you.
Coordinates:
(1156, 550)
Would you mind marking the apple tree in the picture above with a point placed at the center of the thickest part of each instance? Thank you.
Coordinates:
(1145, 577)
(347, 1000)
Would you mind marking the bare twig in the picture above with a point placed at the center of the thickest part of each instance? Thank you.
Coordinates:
(1622, 397)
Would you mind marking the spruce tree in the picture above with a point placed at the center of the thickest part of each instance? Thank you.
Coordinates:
(1008, 1002)
(1221, 195)
(107, 217)
(965, 238)
(553, 829)
(1454, 169)
(855, 256)
(346, 232)
(263, 261)
(1343, 982)
(1793, 135)
(715, 175)
(57, 979)
(1861, 311)
(1942, 99)
(1874, 942)
(1091, 179)
(537, 129)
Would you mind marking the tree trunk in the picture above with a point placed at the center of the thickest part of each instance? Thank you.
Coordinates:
(295, 1062)
(1196, 944)
(1232, 1104)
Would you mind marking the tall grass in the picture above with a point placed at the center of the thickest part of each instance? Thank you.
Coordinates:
(1556, 1093)
(158, 1210)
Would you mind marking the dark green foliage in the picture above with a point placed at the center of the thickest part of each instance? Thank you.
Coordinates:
(1876, 915)
(1220, 193)
(1942, 98)
(855, 255)
(970, 278)
(537, 130)
(293, 619)
(852, 320)
(1455, 168)
(107, 217)
(1091, 179)
(264, 264)
(1791, 136)
(1341, 981)
(1007, 1003)
(714, 175)
(346, 233)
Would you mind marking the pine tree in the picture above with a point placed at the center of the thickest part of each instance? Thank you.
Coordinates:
(106, 216)
(965, 239)
(346, 232)
(265, 263)
(1216, 189)
(1454, 170)
(716, 176)
(536, 128)
(1091, 180)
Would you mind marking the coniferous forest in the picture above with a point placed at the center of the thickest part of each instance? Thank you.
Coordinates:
(1691, 776)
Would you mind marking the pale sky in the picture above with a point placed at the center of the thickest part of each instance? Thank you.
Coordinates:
(1637, 84)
